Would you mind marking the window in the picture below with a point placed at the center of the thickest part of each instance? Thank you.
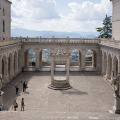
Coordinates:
(3, 26)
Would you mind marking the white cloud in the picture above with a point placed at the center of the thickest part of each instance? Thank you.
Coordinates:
(42, 15)
(34, 9)
(89, 11)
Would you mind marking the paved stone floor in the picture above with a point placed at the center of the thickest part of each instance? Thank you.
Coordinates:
(90, 98)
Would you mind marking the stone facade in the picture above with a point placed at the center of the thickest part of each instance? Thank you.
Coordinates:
(116, 19)
(5, 19)
(14, 54)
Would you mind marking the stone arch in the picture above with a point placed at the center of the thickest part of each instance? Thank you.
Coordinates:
(115, 66)
(4, 66)
(29, 58)
(75, 57)
(91, 59)
(15, 62)
(44, 57)
(105, 62)
(10, 64)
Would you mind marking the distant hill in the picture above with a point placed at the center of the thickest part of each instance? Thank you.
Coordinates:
(17, 32)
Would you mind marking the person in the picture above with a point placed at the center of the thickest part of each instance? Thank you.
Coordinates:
(22, 104)
(15, 105)
(24, 85)
(17, 88)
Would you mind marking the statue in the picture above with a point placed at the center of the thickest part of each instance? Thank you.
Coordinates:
(116, 83)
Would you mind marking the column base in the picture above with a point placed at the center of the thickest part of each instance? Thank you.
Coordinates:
(60, 84)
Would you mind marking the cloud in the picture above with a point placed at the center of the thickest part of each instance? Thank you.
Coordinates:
(88, 11)
(42, 15)
(34, 9)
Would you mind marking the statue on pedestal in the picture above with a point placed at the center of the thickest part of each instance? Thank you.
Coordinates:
(116, 83)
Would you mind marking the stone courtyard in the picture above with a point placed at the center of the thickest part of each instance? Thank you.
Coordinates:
(91, 97)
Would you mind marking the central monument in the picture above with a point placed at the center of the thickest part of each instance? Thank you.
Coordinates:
(60, 83)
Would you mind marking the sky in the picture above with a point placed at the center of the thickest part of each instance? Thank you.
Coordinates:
(60, 15)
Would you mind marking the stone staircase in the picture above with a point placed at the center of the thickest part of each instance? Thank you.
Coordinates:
(38, 115)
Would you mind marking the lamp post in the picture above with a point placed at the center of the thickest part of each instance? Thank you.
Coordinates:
(1, 94)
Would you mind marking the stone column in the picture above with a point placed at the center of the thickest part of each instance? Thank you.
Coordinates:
(103, 63)
(16, 65)
(52, 71)
(37, 65)
(98, 61)
(68, 67)
(119, 64)
(83, 61)
(108, 73)
(112, 69)
(79, 60)
(107, 69)
(0, 65)
(26, 59)
(40, 59)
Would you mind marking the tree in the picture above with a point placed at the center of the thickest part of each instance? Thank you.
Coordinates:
(106, 30)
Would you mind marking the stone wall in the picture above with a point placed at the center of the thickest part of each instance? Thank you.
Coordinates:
(5, 15)
(116, 19)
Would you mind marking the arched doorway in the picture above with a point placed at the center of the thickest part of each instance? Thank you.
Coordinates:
(29, 59)
(10, 65)
(90, 60)
(105, 63)
(45, 57)
(4, 67)
(75, 60)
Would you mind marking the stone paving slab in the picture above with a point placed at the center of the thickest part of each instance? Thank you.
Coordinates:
(90, 98)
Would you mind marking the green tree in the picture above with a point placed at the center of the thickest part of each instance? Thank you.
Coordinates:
(106, 30)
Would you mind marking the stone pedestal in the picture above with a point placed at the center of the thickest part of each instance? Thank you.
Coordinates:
(60, 83)
(116, 107)
(1, 101)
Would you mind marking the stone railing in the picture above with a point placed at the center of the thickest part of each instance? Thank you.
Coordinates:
(9, 42)
(111, 43)
(60, 40)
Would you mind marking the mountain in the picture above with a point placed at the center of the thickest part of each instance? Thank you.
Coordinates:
(17, 32)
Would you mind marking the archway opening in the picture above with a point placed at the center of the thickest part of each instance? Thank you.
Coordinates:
(4, 67)
(45, 58)
(10, 65)
(15, 62)
(105, 63)
(90, 60)
(19, 60)
(30, 58)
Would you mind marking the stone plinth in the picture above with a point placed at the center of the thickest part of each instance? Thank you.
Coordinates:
(116, 107)
(60, 83)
